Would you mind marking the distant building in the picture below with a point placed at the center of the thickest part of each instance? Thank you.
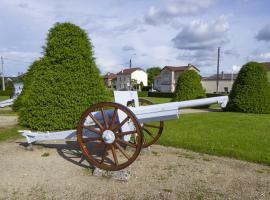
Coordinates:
(166, 81)
(110, 80)
(224, 85)
(136, 75)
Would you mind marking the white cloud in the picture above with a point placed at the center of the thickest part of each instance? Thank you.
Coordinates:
(236, 68)
(174, 9)
(202, 35)
(127, 48)
(265, 55)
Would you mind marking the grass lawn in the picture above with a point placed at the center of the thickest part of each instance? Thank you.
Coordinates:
(10, 133)
(2, 98)
(237, 135)
(7, 111)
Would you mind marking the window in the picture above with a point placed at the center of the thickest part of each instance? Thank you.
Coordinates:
(226, 89)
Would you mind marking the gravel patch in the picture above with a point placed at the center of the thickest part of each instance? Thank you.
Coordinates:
(56, 170)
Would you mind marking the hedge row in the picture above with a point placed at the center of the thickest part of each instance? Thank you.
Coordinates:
(160, 94)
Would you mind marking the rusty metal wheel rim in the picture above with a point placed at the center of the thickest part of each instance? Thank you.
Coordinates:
(159, 128)
(105, 131)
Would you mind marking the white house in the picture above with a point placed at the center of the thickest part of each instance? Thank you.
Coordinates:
(135, 75)
(166, 81)
(224, 84)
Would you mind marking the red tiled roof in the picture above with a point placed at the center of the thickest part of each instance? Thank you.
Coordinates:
(129, 70)
(267, 65)
(110, 76)
(180, 68)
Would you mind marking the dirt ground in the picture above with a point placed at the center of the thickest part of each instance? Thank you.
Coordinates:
(159, 173)
(8, 121)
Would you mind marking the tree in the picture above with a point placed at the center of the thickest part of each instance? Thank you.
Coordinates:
(188, 87)
(63, 83)
(152, 73)
(251, 90)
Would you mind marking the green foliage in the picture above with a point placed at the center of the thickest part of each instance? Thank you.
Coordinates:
(142, 94)
(251, 90)
(146, 88)
(160, 94)
(152, 73)
(63, 83)
(8, 90)
(188, 87)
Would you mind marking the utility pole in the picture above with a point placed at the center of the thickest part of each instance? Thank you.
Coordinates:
(130, 74)
(218, 69)
(3, 78)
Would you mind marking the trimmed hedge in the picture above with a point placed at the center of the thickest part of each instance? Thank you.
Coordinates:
(146, 88)
(63, 83)
(251, 90)
(160, 94)
(188, 87)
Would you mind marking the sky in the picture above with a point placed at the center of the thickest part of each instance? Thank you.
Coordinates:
(149, 32)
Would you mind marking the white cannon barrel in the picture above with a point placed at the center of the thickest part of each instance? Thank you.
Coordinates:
(167, 111)
(149, 113)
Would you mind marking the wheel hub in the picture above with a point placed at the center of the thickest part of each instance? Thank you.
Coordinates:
(108, 136)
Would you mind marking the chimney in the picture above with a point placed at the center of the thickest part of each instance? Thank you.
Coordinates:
(222, 75)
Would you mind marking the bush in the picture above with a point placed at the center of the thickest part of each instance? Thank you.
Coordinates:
(188, 87)
(63, 83)
(146, 88)
(160, 94)
(143, 94)
(8, 90)
(251, 90)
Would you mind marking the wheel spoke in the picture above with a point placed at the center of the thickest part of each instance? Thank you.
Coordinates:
(114, 155)
(150, 125)
(122, 151)
(103, 154)
(104, 118)
(149, 133)
(96, 121)
(92, 129)
(121, 124)
(113, 119)
(91, 139)
(127, 143)
(121, 134)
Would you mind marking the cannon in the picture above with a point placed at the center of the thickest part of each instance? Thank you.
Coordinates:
(17, 90)
(112, 134)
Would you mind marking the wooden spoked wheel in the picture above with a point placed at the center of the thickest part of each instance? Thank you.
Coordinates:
(151, 131)
(103, 139)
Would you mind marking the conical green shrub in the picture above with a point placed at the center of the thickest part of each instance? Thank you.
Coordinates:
(251, 90)
(188, 87)
(63, 83)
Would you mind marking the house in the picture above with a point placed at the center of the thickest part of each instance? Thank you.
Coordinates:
(166, 81)
(157, 83)
(225, 83)
(134, 76)
(110, 80)
(267, 66)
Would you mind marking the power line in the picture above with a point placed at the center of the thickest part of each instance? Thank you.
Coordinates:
(15, 60)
